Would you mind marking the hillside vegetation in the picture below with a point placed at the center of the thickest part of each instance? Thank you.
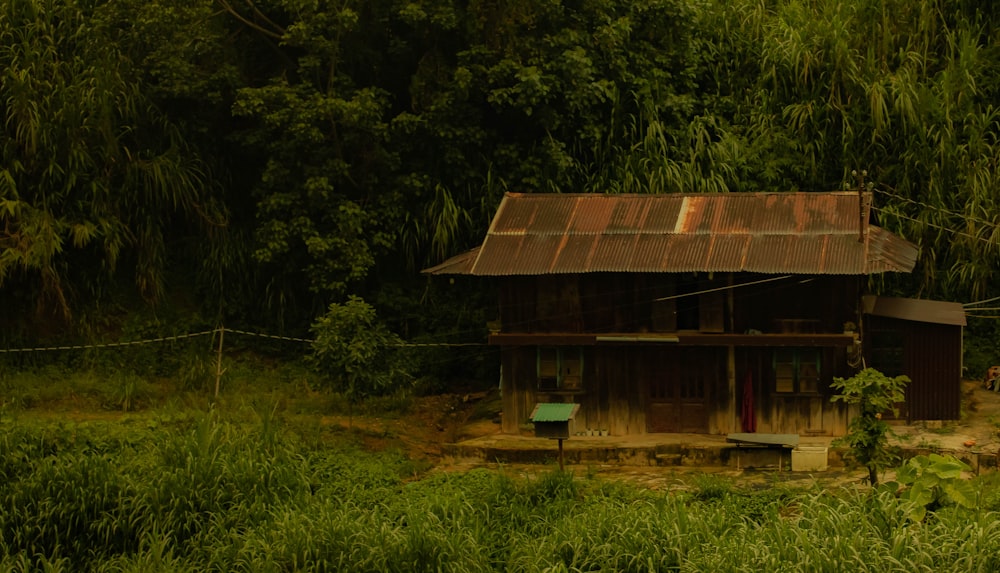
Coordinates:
(249, 163)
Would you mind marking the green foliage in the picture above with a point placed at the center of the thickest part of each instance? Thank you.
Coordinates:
(874, 394)
(356, 353)
(92, 173)
(275, 156)
(202, 492)
(754, 506)
(930, 481)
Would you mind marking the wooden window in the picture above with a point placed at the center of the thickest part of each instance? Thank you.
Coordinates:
(560, 369)
(797, 371)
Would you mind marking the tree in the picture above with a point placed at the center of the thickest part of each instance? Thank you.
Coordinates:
(356, 353)
(92, 174)
(875, 394)
(806, 92)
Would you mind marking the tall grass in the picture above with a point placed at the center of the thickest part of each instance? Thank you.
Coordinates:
(203, 493)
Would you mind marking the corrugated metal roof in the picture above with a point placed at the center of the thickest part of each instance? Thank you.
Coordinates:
(919, 310)
(554, 412)
(801, 233)
(457, 265)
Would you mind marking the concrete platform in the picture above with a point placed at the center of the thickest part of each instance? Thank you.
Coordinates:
(689, 450)
(668, 450)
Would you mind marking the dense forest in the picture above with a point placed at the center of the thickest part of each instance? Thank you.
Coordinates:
(250, 162)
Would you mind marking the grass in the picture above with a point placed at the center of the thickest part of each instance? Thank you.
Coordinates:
(253, 481)
(179, 490)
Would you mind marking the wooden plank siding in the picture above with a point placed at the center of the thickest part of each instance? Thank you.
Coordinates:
(691, 382)
(929, 354)
(629, 390)
(793, 413)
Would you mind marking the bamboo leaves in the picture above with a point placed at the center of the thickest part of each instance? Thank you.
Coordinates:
(86, 159)
(903, 89)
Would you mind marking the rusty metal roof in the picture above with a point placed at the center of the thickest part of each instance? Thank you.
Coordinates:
(799, 233)
(919, 310)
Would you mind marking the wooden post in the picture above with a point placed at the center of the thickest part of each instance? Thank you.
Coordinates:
(218, 363)
(560, 454)
(862, 220)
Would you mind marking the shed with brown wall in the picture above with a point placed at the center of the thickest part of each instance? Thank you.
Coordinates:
(921, 339)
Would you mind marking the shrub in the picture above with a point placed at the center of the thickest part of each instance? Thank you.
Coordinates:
(875, 394)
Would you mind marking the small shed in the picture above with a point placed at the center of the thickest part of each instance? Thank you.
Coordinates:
(923, 340)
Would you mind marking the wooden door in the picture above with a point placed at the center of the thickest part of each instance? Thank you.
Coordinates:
(679, 389)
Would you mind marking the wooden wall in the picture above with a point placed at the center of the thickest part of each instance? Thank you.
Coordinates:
(830, 301)
(619, 302)
(621, 382)
(804, 414)
(617, 382)
(931, 358)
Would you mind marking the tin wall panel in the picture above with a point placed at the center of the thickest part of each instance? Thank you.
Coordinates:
(931, 359)
(688, 253)
(513, 216)
(662, 215)
(651, 252)
(550, 216)
(627, 216)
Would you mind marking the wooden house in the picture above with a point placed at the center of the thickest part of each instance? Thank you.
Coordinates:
(681, 313)
(921, 339)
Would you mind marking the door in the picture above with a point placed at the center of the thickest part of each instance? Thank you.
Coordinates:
(679, 388)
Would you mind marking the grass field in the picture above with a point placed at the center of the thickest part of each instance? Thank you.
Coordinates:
(199, 492)
(256, 483)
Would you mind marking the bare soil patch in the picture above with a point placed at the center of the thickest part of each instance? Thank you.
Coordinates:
(976, 431)
(429, 423)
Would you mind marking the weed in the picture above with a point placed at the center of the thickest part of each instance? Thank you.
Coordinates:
(188, 492)
(944, 430)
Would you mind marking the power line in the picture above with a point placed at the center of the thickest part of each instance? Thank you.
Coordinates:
(936, 208)
(901, 216)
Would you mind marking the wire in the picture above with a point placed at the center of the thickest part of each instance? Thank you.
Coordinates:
(728, 287)
(901, 216)
(215, 331)
(937, 208)
(108, 344)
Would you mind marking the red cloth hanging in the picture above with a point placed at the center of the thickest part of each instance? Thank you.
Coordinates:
(747, 415)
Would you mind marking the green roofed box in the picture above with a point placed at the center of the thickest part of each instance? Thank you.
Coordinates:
(554, 420)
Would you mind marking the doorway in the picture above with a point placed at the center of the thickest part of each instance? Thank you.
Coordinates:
(680, 384)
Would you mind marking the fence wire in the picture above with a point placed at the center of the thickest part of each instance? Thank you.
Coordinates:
(214, 331)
